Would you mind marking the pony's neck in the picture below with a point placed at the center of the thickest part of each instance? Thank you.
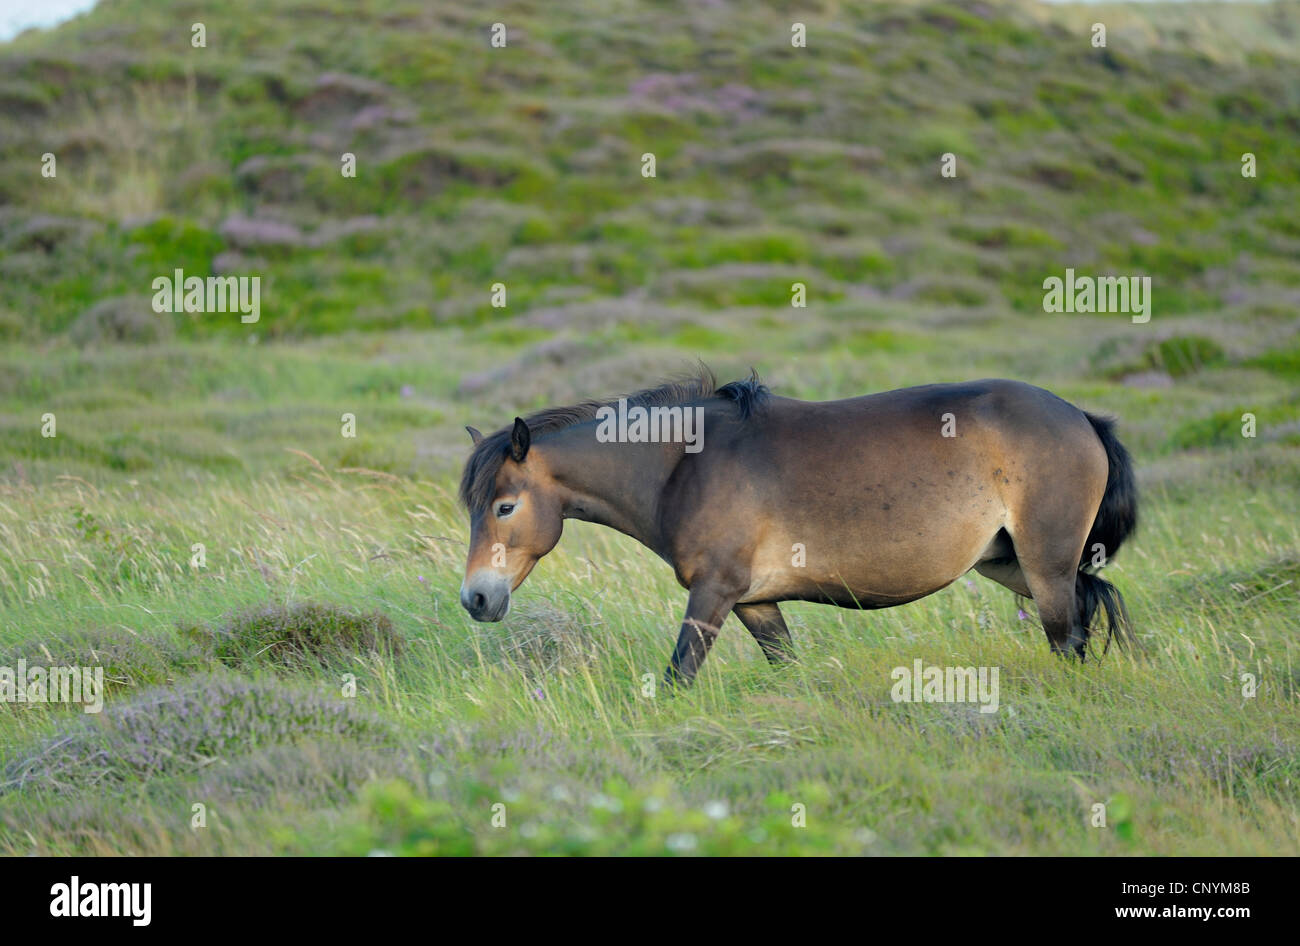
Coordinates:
(616, 485)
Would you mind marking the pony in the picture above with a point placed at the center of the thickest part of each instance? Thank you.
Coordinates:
(867, 502)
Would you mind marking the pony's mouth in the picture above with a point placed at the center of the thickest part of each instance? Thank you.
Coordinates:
(488, 606)
(491, 616)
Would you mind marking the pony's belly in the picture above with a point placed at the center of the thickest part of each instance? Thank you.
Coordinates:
(853, 592)
(865, 600)
(849, 571)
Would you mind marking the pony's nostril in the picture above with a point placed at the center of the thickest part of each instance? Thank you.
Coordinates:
(479, 601)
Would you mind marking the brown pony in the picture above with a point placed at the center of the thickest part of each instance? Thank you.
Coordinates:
(868, 502)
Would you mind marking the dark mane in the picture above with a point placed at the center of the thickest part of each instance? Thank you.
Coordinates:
(479, 479)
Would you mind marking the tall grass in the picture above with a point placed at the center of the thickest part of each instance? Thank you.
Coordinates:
(274, 605)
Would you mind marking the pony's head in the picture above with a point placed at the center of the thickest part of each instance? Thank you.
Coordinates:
(516, 517)
(517, 497)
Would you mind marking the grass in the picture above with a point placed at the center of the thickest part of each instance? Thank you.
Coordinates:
(274, 604)
(547, 713)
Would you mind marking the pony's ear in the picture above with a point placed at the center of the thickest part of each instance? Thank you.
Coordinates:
(520, 438)
(474, 434)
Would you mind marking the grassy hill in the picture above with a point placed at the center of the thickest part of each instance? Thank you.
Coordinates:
(522, 165)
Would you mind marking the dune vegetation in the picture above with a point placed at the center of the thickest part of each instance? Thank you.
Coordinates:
(274, 604)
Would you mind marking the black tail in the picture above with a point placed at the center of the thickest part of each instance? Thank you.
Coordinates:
(1093, 594)
(1116, 520)
(1118, 515)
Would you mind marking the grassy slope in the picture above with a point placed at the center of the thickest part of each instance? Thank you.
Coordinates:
(522, 165)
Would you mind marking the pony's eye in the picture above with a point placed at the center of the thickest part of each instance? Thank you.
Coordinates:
(505, 509)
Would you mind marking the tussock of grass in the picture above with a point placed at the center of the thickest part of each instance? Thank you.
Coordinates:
(1279, 575)
(181, 729)
(1275, 419)
(1185, 354)
(542, 638)
(127, 319)
(296, 634)
(1177, 356)
(130, 659)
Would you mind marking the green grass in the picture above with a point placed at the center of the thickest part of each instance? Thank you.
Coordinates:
(466, 156)
(315, 686)
(545, 713)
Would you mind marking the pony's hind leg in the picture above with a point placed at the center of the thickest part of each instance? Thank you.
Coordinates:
(1048, 528)
(1008, 573)
(1053, 591)
(1065, 636)
(767, 625)
(1046, 568)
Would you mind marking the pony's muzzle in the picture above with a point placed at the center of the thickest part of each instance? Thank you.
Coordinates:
(486, 599)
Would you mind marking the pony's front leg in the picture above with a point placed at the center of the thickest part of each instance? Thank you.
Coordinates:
(706, 609)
